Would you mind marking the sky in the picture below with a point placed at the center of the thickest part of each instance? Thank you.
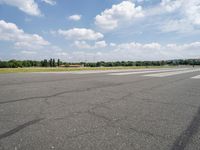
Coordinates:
(99, 30)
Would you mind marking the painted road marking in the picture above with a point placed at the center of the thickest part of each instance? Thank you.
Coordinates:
(146, 71)
(60, 72)
(166, 74)
(116, 71)
(196, 77)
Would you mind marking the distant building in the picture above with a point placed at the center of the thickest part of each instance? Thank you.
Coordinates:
(76, 65)
(73, 65)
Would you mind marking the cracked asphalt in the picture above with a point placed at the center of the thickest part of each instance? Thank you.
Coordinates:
(99, 112)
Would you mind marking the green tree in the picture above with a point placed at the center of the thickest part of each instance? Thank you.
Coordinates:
(53, 63)
(58, 62)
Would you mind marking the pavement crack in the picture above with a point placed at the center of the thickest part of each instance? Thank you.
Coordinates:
(18, 128)
(89, 89)
(57, 94)
(70, 91)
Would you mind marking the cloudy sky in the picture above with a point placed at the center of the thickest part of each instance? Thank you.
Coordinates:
(94, 30)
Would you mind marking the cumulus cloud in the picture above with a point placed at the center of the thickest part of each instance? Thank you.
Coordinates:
(100, 44)
(82, 45)
(28, 52)
(139, 52)
(10, 32)
(112, 44)
(190, 10)
(179, 26)
(75, 17)
(31, 45)
(28, 6)
(110, 19)
(156, 51)
(80, 34)
(85, 45)
(51, 2)
(171, 5)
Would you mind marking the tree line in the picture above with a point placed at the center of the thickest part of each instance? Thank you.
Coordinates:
(58, 63)
(30, 63)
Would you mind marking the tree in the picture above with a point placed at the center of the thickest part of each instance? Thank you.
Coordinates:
(45, 63)
(4, 64)
(58, 62)
(53, 63)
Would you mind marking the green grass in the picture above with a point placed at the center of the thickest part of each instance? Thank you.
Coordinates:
(60, 69)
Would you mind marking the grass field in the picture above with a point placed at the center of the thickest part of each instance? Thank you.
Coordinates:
(18, 70)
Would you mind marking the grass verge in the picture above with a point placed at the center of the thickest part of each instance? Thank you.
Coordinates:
(60, 69)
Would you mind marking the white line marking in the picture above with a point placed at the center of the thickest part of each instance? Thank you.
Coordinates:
(147, 71)
(113, 71)
(62, 72)
(196, 77)
(166, 74)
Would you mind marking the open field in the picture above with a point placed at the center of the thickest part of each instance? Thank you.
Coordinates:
(144, 109)
(42, 69)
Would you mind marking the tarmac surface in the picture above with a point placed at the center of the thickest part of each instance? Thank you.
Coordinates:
(149, 109)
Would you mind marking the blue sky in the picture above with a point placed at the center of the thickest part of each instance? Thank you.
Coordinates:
(94, 30)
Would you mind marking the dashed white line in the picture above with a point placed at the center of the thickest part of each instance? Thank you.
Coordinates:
(146, 71)
(166, 74)
(196, 77)
(123, 71)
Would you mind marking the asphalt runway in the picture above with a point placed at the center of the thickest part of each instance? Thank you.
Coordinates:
(149, 109)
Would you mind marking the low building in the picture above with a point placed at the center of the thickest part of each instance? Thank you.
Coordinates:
(73, 65)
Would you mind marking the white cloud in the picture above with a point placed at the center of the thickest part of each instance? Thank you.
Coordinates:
(85, 45)
(31, 45)
(112, 44)
(171, 5)
(156, 51)
(60, 54)
(10, 32)
(28, 6)
(51, 2)
(75, 17)
(81, 34)
(190, 9)
(100, 44)
(179, 26)
(110, 19)
(140, 52)
(82, 45)
(28, 52)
